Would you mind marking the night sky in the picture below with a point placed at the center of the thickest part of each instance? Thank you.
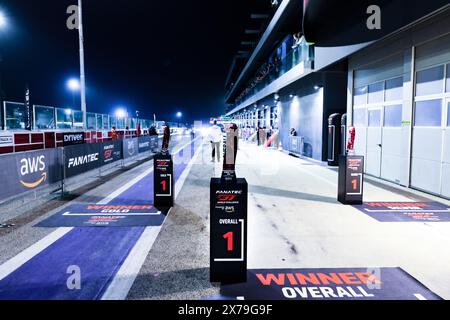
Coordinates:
(153, 56)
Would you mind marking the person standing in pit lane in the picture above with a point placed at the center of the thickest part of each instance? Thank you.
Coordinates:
(215, 136)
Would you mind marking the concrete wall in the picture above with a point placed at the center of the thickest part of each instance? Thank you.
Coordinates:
(305, 114)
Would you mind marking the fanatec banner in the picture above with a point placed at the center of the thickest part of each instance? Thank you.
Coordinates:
(28, 171)
(81, 158)
(147, 143)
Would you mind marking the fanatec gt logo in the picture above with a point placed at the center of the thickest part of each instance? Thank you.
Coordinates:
(228, 195)
(229, 192)
(78, 161)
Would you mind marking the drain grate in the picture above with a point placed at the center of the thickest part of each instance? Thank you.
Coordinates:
(6, 226)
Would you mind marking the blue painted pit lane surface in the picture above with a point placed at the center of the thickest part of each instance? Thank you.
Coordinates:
(97, 252)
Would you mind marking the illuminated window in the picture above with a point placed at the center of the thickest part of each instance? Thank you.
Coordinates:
(360, 117)
(360, 96)
(376, 92)
(394, 89)
(430, 81)
(375, 118)
(428, 113)
(393, 116)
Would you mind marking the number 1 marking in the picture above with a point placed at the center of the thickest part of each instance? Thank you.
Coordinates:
(355, 184)
(229, 237)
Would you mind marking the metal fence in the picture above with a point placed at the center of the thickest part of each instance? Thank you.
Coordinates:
(14, 116)
(297, 145)
(30, 171)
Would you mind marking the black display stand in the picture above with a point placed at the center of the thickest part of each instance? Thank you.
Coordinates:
(164, 187)
(228, 241)
(351, 179)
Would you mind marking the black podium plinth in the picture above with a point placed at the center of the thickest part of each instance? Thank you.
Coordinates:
(351, 179)
(163, 181)
(228, 241)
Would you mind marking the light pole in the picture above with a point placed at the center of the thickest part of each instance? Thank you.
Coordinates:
(3, 26)
(82, 73)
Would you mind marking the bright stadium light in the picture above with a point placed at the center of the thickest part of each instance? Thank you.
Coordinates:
(3, 20)
(179, 114)
(73, 85)
(121, 113)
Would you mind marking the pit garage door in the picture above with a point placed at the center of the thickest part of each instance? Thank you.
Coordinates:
(377, 117)
(430, 164)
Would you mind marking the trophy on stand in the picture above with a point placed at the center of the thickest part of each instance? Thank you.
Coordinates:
(163, 175)
(351, 174)
(230, 154)
(229, 198)
(166, 140)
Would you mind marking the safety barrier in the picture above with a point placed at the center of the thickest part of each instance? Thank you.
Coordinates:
(33, 170)
(296, 145)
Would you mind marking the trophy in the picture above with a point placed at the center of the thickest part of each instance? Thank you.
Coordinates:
(166, 140)
(351, 141)
(230, 153)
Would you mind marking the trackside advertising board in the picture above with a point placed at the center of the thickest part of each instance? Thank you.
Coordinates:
(110, 152)
(406, 211)
(81, 158)
(6, 140)
(130, 148)
(329, 284)
(148, 143)
(73, 138)
(22, 172)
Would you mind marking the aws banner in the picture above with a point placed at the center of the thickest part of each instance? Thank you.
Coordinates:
(23, 172)
(82, 158)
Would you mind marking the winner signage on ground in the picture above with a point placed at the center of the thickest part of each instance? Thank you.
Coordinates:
(406, 211)
(329, 284)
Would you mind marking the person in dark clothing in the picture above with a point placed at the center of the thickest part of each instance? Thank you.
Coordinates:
(257, 135)
(152, 131)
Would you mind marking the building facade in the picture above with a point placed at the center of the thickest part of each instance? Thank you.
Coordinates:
(395, 90)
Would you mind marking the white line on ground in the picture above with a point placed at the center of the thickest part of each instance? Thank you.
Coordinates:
(19, 260)
(13, 264)
(125, 277)
(420, 297)
(125, 187)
